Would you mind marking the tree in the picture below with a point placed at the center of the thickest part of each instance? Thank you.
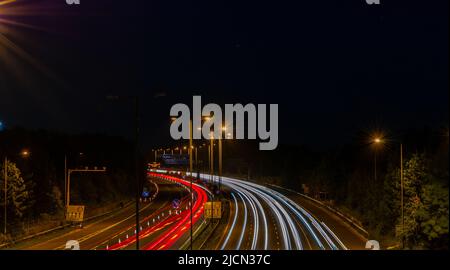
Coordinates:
(17, 192)
(433, 215)
(425, 204)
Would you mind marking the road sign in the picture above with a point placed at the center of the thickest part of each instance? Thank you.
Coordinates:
(213, 209)
(176, 203)
(75, 213)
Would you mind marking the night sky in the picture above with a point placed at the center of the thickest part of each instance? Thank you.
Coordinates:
(334, 67)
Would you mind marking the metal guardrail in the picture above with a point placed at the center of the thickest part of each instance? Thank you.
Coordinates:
(58, 228)
(349, 219)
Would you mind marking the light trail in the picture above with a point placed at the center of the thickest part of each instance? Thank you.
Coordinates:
(289, 216)
(236, 212)
(334, 236)
(166, 240)
(176, 222)
(241, 237)
(277, 208)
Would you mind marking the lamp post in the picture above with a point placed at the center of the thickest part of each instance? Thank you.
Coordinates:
(189, 151)
(379, 141)
(401, 194)
(220, 160)
(5, 170)
(196, 156)
(227, 136)
(135, 100)
(211, 162)
(191, 171)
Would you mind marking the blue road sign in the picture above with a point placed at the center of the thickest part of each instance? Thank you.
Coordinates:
(145, 194)
(176, 203)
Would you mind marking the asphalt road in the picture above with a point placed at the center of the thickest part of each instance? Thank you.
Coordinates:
(351, 237)
(167, 228)
(103, 232)
(262, 218)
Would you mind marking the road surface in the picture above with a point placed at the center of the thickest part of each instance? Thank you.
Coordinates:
(262, 218)
(259, 218)
(99, 233)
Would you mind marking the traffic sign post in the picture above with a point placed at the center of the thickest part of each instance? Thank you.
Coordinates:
(213, 210)
(75, 213)
(176, 203)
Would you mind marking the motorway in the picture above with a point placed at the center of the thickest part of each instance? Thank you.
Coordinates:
(166, 228)
(264, 219)
(105, 231)
(259, 218)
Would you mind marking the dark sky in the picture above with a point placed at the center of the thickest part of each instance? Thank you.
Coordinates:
(334, 67)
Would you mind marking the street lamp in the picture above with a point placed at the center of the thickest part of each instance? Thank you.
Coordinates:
(25, 153)
(191, 172)
(211, 159)
(135, 100)
(223, 129)
(5, 170)
(401, 194)
(378, 141)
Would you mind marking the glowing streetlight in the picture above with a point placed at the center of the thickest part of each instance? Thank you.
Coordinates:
(25, 153)
(378, 140)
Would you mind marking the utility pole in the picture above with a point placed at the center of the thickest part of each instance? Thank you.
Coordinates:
(401, 195)
(65, 180)
(191, 171)
(212, 176)
(220, 161)
(196, 156)
(135, 99)
(375, 166)
(136, 157)
(212, 160)
(5, 169)
(190, 146)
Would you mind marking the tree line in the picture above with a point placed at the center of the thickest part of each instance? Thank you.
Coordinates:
(35, 182)
(346, 177)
